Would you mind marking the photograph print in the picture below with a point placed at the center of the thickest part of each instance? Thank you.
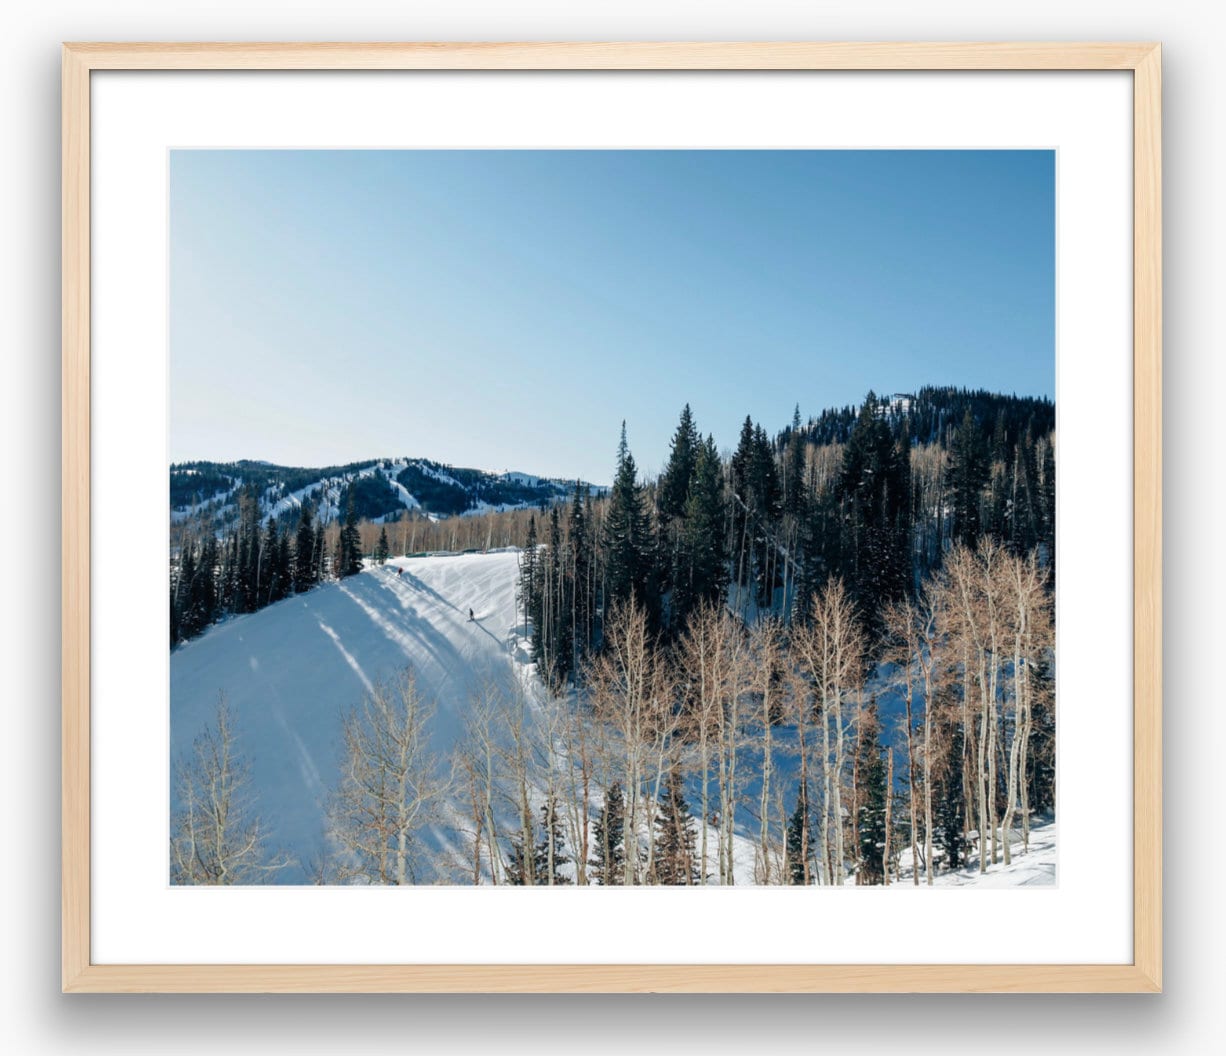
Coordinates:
(612, 517)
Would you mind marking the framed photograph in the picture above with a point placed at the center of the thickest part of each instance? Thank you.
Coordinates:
(611, 517)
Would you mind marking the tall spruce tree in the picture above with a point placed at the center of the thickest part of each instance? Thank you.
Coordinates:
(967, 475)
(674, 487)
(609, 850)
(675, 860)
(702, 558)
(551, 853)
(350, 548)
(304, 551)
(949, 823)
(874, 485)
(383, 548)
(871, 797)
(794, 469)
(800, 840)
(627, 537)
(579, 573)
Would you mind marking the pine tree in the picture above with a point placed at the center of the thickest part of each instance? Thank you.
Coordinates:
(675, 860)
(527, 579)
(205, 599)
(800, 840)
(267, 575)
(702, 558)
(284, 567)
(579, 576)
(516, 870)
(794, 469)
(875, 493)
(609, 856)
(189, 621)
(627, 537)
(674, 487)
(383, 549)
(950, 821)
(871, 797)
(304, 551)
(350, 546)
(967, 475)
(551, 853)
(320, 552)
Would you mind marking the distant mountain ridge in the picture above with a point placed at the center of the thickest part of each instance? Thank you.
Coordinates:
(382, 489)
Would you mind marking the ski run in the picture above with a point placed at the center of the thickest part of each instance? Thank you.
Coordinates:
(289, 673)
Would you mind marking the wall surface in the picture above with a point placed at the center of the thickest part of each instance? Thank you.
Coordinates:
(33, 1014)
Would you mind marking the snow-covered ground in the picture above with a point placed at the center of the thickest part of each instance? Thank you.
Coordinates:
(290, 671)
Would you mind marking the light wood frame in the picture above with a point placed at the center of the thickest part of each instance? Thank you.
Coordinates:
(80, 974)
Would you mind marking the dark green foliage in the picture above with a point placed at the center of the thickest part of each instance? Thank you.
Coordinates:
(349, 543)
(628, 543)
(193, 484)
(949, 822)
(551, 850)
(1041, 756)
(436, 496)
(967, 476)
(552, 594)
(874, 503)
(757, 503)
(372, 496)
(306, 564)
(675, 862)
(382, 548)
(674, 486)
(800, 840)
(794, 468)
(871, 792)
(701, 571)
(609, 855)
(549, 853)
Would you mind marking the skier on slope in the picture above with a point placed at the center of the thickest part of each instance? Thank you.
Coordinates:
(471, 617)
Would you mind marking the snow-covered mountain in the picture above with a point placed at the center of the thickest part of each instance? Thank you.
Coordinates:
(382, 489)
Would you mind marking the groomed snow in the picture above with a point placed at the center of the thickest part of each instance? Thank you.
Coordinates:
(290, 671)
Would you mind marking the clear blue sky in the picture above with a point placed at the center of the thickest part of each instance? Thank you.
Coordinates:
(507, 309)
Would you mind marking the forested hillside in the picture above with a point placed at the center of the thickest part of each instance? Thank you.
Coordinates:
(815, 657)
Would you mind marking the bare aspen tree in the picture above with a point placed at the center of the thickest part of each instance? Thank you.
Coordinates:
(391, 787)
(579, 763)
(518, 753)
(701, 664)
(1030, 626)
(800, 709)
(766, 652)
(216, 837)
(929, 658)
(889, 820)
(973, 617)
(476, 767)
(832, 648)
(630, 688)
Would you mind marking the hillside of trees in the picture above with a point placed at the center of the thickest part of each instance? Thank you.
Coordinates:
(868, 596)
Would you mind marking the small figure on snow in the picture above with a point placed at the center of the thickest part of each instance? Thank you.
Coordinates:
(471, 617)
(400, 572)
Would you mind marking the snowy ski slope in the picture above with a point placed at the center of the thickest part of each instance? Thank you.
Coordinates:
(290, 671)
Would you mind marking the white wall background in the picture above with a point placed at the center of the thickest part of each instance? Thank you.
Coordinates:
(33, 1014)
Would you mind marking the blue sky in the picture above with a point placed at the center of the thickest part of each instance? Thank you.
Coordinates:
(507, 309)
